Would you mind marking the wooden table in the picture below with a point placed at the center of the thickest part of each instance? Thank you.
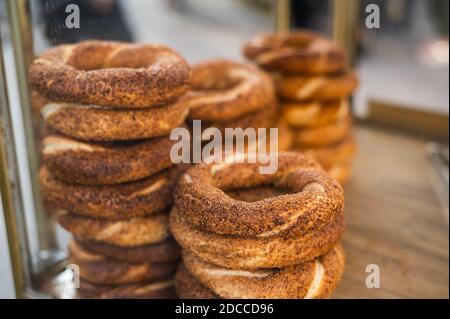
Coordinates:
(394, 220)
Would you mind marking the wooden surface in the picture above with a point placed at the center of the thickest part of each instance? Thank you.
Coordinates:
(394, 220)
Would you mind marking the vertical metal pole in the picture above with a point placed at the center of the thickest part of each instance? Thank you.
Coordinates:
(283, 15)
(345, 23)
(20, 25)
(11, 196)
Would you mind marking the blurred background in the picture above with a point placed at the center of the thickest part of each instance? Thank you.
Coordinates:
(403, 66)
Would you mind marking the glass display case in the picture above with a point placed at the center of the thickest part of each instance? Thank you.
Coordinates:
(400, 106)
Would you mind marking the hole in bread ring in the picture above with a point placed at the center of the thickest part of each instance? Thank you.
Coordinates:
(297, 52)
(112, 74)
(313, 198)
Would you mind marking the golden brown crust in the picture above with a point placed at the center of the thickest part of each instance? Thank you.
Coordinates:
(144, 197)
(130, 232)
(102, 164)
(165, 251)
(323, 135)
(285, 136)
(101, 270)
(285, 139)
(255, 253)
(318, 87)
(313, 279)
(188, 288)
(331, 155)
(223, 90)
(112, 74)
(341, 172)
(94, 123)
(315, 114)
(315, 199)
(296, 52)
(259, 119)
(163, 289)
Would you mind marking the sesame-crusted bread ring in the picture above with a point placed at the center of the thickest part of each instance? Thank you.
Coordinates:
(112, 74)
(313, 279)
(161, 289)
(100, 164)
(296, 52)
(341, 172)
(285, 136)
(163, 251)
(188, 288)
(323, 135)
(255, 253)
(317, 87)
(95, 123)
(223, 90)
(101, 270)
(262, 118)
(315, 113)
(313, 200)
(334, 154)
(143, 197)
(129, 232)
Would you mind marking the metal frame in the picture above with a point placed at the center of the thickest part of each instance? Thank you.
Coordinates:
(282, 15)
(345, 20)
(22, 40)
(11, 195)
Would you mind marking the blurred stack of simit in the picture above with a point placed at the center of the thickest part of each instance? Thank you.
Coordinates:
(227, 94)
(107, 174)
(314, 84)
(250, 235)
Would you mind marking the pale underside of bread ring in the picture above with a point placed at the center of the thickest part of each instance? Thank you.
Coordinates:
(112, 74)
(86, 163)
(314, 279)
(254, 253)
(94, 123)
(224, 90)
(101, 270)
(126, 233)
(313, 200)
(144, 197)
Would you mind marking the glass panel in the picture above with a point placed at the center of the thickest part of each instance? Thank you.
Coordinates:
(198, 29)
